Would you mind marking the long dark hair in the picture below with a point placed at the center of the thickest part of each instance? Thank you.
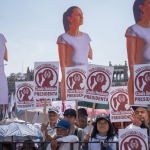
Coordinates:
(110, 134)
(136, 10)
(65, 15)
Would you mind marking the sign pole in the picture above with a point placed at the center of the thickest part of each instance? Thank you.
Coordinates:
(77, 112)
(91, 118)
(25, 116)
(44, 118)
(122, 127)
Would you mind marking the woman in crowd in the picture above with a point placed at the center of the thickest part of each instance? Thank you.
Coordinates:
(102, 131)
(73, 46)
(138, 41)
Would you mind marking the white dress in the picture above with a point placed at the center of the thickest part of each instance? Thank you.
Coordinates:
(80, 47)
(142, 56)
(3, 79)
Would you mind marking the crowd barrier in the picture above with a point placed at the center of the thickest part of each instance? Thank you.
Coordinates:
(14, 145)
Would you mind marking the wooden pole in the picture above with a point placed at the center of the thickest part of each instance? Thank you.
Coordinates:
(122, 127)
(77, 112)
(44, 118)
(25, 116)
(89, 131)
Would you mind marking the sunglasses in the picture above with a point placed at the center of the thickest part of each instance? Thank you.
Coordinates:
(80, 117)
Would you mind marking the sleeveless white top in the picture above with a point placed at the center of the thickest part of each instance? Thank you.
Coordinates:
(3, 79)
(80, 45)
(142, 56)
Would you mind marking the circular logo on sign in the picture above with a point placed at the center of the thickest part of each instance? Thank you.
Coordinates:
(98, 81)
(75, 80)
(25, 94)
(142, 81)
(133, 143)
(119, 102)
(46, 77)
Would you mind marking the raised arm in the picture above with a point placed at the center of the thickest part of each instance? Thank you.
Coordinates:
(6, 54)
(90, 53)
(131, 49)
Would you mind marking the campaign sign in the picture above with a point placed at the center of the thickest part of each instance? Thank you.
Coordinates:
(46, 80)
(98, 84)
(75, 78)
(24, 95)
(40, 103)
(120, 110)
(134, 139)
(142, 84)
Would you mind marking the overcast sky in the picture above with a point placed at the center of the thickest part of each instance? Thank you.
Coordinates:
(32, 28)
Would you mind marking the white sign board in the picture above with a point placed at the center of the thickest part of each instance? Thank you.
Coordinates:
(46, 80)
(142, 84)
(133, 139)
(120, 110)
(98, 84)
(75, 78)
(24, 95)
(40, 103)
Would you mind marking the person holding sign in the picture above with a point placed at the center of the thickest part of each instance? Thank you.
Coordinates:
(138, 41)
(103, 131)
(3, 79)
(73, 46)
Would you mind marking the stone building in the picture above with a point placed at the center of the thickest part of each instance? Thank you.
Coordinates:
(120, 75)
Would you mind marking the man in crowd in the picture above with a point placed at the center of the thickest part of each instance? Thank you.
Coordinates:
(139, 117)
(62, 135)
(70, 115)
(82, 120)
(53, 116)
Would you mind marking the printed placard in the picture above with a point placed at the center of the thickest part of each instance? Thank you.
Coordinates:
(135, 139)
(75, 78)
(46, 80)
(142, 84)
(120, 110)
(24, 95)
(40, 103)
(98, 84)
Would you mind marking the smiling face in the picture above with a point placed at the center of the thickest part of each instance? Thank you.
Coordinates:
(102, 127)
(76, 18)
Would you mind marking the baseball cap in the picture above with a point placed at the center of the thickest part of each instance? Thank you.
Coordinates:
(134, 107)
(82, 111)
(71, 112)
(54, 109)
(103, 116)
(63, 124)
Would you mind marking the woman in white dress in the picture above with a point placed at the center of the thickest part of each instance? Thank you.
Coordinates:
(138, 41)
(73, 46)
(3, 79)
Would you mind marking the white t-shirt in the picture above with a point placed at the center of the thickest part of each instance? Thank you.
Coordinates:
(94, 146)
(80, 46)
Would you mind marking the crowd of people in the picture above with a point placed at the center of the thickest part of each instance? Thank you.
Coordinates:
(59, 130)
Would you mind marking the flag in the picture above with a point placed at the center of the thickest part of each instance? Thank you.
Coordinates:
(11, 103)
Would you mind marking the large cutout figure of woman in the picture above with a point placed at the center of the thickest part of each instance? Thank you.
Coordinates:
(3, 79)
(138, 41)
(74, 45)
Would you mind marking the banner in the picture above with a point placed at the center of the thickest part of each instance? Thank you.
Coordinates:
(98, 84)
(75, 78)
(120, 110)
(142, 84)
(46, 80)
(40, 103)
(24, 95)
(134, 139)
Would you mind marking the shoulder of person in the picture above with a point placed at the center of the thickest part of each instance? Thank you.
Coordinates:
(115, 138)
(79, 129)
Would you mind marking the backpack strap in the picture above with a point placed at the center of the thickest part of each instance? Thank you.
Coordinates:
(76, 131)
